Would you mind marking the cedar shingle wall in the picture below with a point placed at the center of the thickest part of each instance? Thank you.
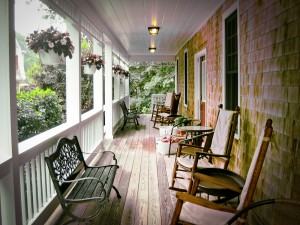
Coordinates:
(270, 87)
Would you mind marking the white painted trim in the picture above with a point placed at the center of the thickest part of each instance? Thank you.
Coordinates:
(197, 82)
(176, 74)
(230, 10)
(185, 64)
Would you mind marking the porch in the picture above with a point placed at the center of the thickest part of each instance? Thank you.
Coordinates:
(260, 74)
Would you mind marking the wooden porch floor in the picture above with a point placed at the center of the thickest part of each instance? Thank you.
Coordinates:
(142, 181)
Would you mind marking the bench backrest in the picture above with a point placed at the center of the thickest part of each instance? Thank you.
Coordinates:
(123, 107)
(65, 163)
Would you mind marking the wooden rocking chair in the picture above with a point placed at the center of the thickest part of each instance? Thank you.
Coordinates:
(191, 209)
(160, 108)
(216, 150)
(168, 117)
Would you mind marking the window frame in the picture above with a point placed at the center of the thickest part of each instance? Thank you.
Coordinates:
(186, 77)
(234, 7)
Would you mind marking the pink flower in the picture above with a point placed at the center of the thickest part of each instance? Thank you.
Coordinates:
(63, 41)
(56, 35)
(71, 49)
(50, 44)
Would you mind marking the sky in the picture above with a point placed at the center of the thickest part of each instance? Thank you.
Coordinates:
(28, 17)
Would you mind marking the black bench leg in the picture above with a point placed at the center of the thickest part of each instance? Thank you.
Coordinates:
(116, 190)
(125, 120)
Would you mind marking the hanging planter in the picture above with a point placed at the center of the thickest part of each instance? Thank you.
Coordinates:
(91, 62)
(49, 58)
(89, 69)
(51, 45)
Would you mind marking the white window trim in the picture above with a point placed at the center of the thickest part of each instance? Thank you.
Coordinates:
(228, 12)
(186, 86)
(197, 56)
(176, 75)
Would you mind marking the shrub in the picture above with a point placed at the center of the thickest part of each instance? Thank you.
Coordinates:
(38, 111)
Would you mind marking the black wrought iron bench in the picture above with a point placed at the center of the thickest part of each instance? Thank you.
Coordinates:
(75, 182)
(130, 116)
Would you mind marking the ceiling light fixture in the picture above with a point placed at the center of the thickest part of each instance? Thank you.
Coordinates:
(153, 30)
(152, 49)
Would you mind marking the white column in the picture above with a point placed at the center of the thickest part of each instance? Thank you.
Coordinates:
(98, 90)
(73, 83)
(98, 81)
(108, 91)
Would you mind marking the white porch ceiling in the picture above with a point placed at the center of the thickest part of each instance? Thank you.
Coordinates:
(128, 22)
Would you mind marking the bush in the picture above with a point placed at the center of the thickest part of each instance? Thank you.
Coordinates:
(38, 111)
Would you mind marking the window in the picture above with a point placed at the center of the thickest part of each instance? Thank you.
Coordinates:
(185, 77)
(231, 62)
(231, 76)
(87, 103)
(41, 89)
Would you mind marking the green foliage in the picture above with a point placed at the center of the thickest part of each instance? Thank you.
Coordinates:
(51, 77)
(182, 121)
(33, 70)
(38, 111)
(146, 80)
(29, 57)
(86, 44)
(86, 92)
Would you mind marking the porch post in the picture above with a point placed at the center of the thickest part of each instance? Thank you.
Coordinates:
(108, 90)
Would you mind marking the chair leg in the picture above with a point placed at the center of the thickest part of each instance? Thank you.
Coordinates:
(136, 123)
(190, 183)
(155, 120)
(174, 174)
(152, 113)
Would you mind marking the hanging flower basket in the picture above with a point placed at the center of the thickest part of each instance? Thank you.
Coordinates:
(91, 62)
(49, 58)
(50, 41)
(89, 69)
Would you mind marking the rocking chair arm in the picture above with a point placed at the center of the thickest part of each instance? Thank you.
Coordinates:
(203, 202)
(197, 152)
(186, 141)
(203, 177)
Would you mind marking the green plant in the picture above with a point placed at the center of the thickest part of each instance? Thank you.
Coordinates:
(38, 111)
(92, 59)
(182, 121)
(51, 39)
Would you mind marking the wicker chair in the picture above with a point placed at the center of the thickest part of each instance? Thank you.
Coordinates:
(191, 209)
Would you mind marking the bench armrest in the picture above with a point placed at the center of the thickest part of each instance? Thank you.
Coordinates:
(106, 151)
(79, 179)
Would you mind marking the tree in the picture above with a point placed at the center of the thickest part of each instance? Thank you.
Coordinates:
(146, 80)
